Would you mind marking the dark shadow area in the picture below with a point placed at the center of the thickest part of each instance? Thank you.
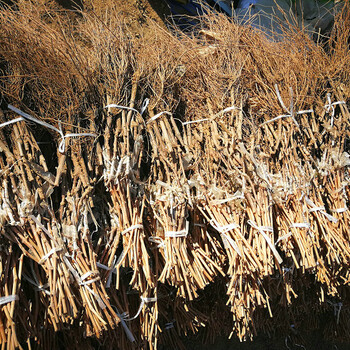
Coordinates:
(71, 4)
(161, 8)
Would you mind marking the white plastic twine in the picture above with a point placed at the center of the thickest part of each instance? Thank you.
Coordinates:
(223, 229)
(337, 308)
(41, 226)
(112, 269)
(99, 300)
(133, 227)
(85, 276)
(305, 225)
(39, 288)
(320, 209)
(330, 107)
(32, 119)
(169, 325)
(157, 240)
(283, 237)
(227, 240)
(262, 230)
(157, 116)
(12, 122)
(300, 225)
(112, 105)
(237, 195)
(80, 280)
(62, 145)
(339, 210)
(127, 331)
(52, 251)
(289, 111)
(176, 234)
(228, 109)
(145, 104)
(72, 269)
(8, 299)
(143, 302)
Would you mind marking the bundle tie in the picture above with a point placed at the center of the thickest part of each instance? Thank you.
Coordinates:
(8, 299)
(157, 116)
(157, 240)
(90, 281)
(113, 105)
(85, 284)
(62, 145)
(330, 106)
(262, 230)
(286, 270)
(228, 241)
(160, 244)
(222, 229)
(300, 225)
(320, 209)
(100, 302)
(71, 269)
(11, 122)
(316, 209)
(195, 121)
(133, 227)
(121, 257)
(41, 226)
(43, 289)
(337, 308)
(283, 237)
(85, 276)
(289, 111)
(176, 234)
(287, 116)
(39, 288)
(47, 255)
(228, 109)
(112, 269)
(144, 105)
(229, 199)
(169, 325)
(143, 302)
(127, 331)
(200, 225)
(339, 210)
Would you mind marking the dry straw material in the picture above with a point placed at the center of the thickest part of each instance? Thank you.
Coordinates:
(152, 187)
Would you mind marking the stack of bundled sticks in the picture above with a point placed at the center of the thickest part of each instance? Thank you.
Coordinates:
(128, 244)
(138, 219)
